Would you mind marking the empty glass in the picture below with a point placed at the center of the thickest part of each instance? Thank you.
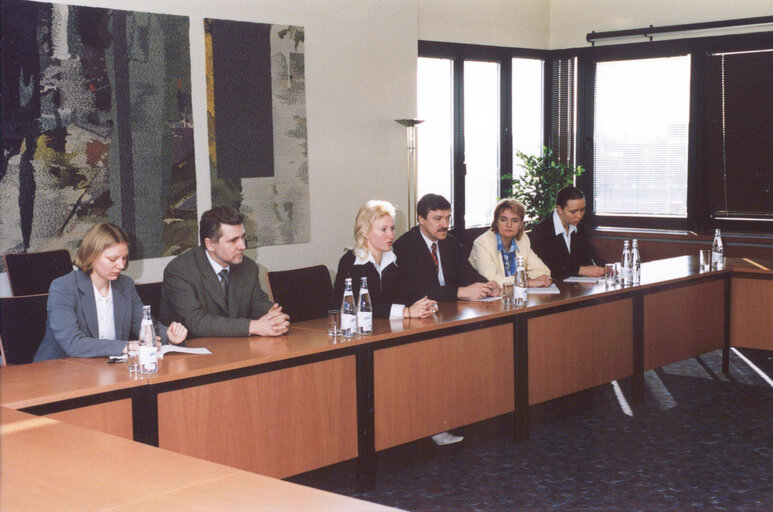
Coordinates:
(610, 274)
(705, 260)
(334, 322)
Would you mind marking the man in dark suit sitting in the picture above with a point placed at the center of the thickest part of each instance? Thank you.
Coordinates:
(561, 240)
(433, 263)
(214, 289)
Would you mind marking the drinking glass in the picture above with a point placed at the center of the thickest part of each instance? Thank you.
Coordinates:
(333, 322)
(507, 294)
(610, 274)
(132, 356)
(705, 260)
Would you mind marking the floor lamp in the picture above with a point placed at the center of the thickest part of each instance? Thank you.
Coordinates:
(410, 127)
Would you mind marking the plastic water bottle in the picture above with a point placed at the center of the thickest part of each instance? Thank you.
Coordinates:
(348, 311)
(364, 309)
(520, 285)
(148, 355)
(627, 265)
(636, 262)
(717, 252)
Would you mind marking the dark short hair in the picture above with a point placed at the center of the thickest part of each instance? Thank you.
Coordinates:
(566, 194)
(431, 202)
(209, 225)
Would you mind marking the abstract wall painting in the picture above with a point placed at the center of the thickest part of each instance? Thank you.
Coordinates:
(96, 126)
(256, 106)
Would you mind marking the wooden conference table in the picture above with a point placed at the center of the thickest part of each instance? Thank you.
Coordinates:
(283, 406)
(50, 465)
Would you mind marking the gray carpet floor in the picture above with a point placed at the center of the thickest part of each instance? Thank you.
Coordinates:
(700, 440)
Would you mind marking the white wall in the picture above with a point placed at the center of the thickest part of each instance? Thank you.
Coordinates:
(571, 20)
(360, 76)
(518, 23)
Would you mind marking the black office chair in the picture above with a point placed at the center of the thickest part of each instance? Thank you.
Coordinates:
(32, 273)
(22, 326)
(303, 293)
(150, 293)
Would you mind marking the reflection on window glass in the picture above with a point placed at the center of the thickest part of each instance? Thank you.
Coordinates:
(641, 120)
(481, 141)
(527, 108)
(435, 135)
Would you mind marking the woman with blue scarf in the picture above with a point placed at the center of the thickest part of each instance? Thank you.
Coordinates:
(495, 252)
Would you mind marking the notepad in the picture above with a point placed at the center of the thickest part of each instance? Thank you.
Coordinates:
(165, 349)
(547, 290)
(485, 299)
(582, 279)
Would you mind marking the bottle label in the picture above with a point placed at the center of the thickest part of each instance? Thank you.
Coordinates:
(148, 358)
(520, 295)
(365, 322)
(348, 325)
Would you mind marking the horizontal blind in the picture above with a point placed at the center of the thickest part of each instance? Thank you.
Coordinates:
(562, 110)
(641, 121)
(738, 134)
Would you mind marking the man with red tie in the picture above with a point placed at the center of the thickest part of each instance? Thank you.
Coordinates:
(433, 263)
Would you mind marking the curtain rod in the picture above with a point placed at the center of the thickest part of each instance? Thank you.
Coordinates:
(594, 36)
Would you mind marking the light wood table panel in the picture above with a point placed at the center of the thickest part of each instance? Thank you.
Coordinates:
(278, 423)
(683, 323)
(45, 382)
(110, 417)
(48, 465)
(579, 349)
(250, 492)
(751, 313)
(431, 386)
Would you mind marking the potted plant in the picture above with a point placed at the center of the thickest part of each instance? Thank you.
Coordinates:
(538, 183)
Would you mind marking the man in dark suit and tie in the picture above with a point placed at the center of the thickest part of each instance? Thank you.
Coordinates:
(214, 289)
(561, 240)
(433, 263)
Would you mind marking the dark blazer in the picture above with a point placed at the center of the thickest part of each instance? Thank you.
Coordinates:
(384, 290)
(552, 250)
(417, 270)
(72, 328)
(191, 294)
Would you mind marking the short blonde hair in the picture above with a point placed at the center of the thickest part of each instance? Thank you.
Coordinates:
(368, 214)
(97, 239)
(514, 206)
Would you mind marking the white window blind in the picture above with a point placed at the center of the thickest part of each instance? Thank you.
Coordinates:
(481, 141)
(641, 123)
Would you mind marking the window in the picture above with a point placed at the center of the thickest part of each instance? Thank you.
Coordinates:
(479, 105)
(434, 156)
(640, 145)
(738, 131)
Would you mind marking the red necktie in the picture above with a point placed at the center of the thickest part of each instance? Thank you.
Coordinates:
(434, 255)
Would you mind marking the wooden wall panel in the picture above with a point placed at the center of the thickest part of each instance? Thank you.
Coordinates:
(279, 423)
(435, 385)
(751, 313)
(579, 349)
(683, 322)
(110, 417)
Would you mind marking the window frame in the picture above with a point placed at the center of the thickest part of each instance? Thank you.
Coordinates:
(458, 53)
(699, 217)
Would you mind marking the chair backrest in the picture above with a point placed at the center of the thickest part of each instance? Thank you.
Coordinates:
(303, 293)
(150, 293)
(32, 273)
(22, 326)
